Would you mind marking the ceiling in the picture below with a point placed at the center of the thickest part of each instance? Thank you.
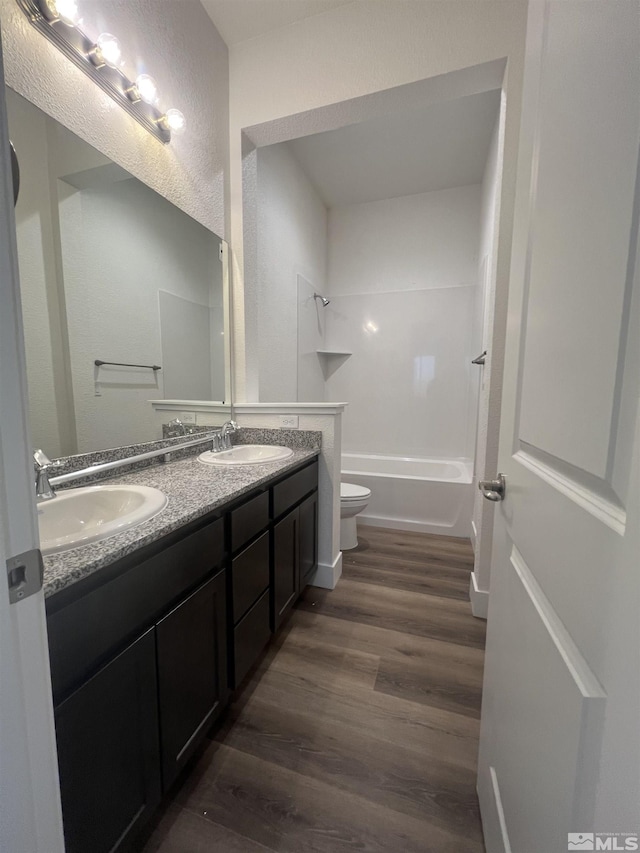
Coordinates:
(442, 146)
(239, 20)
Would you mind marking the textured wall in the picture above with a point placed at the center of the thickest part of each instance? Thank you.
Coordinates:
(292, 241)
(354, 51)
(177, 43)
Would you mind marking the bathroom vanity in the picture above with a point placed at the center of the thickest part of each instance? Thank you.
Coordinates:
(146, 648)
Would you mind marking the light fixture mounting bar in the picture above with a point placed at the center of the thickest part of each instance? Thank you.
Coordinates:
(76, 46)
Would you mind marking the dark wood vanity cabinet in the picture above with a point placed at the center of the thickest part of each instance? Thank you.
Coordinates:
(295, 556)
(143, 654)
(108, 751)
(308, 539)
(286, 578)
(250, 578)
(191, 645)
(129, 714)
(295, 541)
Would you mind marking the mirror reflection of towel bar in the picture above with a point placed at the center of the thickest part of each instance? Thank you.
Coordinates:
(480, 359)
(99, 363)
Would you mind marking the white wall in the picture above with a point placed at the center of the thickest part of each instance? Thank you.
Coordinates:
(354, 51)
(489, 376)
(291, 242)
(402, 281)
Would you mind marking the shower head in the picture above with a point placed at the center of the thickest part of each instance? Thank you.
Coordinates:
(322, 298)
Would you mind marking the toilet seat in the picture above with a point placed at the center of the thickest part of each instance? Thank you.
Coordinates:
(351, 492)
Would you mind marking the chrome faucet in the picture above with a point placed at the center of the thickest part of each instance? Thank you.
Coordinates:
(41, 465)
(228, 429)
(177, 423)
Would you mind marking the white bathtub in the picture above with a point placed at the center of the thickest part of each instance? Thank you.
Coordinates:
(410, 493)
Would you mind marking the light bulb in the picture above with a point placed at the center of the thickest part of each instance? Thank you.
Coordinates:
(174, 121)
(107, 51)
(147, 89)
(63, 10)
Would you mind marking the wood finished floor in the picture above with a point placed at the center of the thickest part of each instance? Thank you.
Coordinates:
(358, 730)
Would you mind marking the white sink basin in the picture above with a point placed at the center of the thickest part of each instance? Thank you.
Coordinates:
(246, 454)
(79, 516)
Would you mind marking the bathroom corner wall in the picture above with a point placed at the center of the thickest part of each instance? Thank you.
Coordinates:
(402, 282)
(352, 51)
(291, 247)
(178, 44)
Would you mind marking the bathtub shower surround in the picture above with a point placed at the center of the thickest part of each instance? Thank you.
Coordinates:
(312, 320)
(426, 495)
(409, 381)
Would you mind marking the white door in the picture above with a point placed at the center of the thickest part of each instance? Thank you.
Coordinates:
(30, 817)
(560, 734)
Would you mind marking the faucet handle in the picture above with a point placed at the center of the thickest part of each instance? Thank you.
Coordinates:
(41, 459)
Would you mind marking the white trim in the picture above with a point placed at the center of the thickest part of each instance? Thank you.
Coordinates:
(474, 535)
(302, 408)
(30, 813)
(458, 531)
(190, 405)
(494, 824)
(327, 575)
(584, 677)
(249, 408)
(500, 810)
(479, 598)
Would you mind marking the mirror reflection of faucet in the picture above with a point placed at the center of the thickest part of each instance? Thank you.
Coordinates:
(41, 465)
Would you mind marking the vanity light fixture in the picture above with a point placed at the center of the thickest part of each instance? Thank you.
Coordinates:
(145, 89)
(63, 10)
(59, 21)
(106, 51)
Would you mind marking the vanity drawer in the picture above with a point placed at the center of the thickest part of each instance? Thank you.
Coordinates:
(250, 571)
(250, 636)
(294, 488)
(86, 632)
(248, 520)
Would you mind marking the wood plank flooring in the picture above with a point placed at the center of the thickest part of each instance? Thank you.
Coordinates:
(358, 730)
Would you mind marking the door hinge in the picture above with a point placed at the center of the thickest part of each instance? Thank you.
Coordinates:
(25, 574)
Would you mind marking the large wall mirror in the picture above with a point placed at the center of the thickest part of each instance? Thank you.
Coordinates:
(110, 271)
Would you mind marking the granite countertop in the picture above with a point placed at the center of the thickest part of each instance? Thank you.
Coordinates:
(193, 490)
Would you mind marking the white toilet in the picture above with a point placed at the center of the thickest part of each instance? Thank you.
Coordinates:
(353, 499)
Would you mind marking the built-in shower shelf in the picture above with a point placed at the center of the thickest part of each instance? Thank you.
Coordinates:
(333, 352)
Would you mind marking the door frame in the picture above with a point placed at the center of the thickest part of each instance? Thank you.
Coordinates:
(30, 811)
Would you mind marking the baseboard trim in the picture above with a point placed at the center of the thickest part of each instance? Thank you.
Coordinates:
(458, 531)
(328, 574)
(479, 598)
(494, 825)
(474, 535)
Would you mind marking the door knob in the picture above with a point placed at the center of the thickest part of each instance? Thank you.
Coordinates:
(493, 490)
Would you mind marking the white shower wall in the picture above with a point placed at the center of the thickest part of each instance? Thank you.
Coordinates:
(402, 277)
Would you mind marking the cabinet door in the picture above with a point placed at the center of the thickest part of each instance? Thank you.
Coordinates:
(308, 535)
(285, 567)
(192, 673)
(108, 752)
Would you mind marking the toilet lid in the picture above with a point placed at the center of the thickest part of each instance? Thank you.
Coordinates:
(350, 492)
